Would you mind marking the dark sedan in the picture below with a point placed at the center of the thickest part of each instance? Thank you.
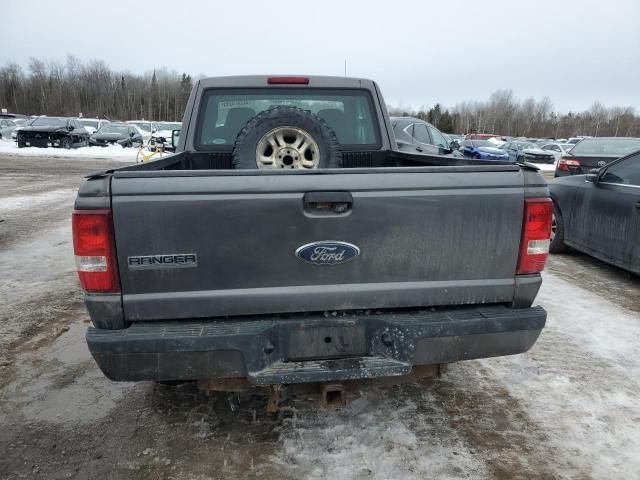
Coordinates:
(594, 153)
(599, 213)
(122, 134)
(53, 132)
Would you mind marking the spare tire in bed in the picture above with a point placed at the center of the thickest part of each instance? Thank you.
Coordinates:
(286, 138)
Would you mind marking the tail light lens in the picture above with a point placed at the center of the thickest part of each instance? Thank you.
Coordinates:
(94, 248)
(565, 163)
(536, 235)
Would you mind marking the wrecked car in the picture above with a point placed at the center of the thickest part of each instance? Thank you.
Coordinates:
(58, 132)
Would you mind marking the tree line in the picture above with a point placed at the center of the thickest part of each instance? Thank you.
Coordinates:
(95, 90)
(504, 114)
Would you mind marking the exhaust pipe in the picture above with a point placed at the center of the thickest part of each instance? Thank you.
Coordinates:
(333, 395)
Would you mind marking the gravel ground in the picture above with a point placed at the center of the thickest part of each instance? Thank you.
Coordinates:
(569, 408)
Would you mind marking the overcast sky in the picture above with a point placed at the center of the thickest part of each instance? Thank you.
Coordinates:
(420, 52)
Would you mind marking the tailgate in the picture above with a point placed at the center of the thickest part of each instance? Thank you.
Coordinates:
(229, 243)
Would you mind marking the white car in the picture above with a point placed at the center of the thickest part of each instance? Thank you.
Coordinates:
(20, 123)
(92, 125)
(162, 136)
(557, 149)
(7, 126)
(496, 141)
(146, 127)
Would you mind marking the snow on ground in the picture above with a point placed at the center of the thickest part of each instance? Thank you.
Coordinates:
(379, 436)
(546, 167)
(39, 265)
(18, 202)
(580, 382)
(114, 152)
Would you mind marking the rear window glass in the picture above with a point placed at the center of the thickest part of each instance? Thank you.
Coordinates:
(612, 146)
(49, 122)
(224, 112)
(89, 123)
(111, 128)
(482, 143)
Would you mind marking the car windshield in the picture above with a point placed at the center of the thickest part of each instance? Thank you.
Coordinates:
(482, 143)
(608, 146)
(527, 145)
(49, 122)
(349, 113)
(111, 128)
(89, 123)
(146, 126)
(169, 126)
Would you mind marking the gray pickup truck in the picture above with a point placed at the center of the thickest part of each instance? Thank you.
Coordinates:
(288, 242)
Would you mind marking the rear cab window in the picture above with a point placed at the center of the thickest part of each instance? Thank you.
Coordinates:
(349, 112)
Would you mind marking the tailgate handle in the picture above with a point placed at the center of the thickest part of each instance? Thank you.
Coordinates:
(328, 203)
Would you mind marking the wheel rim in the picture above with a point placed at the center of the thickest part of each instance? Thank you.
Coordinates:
(554, 226)
(287, 148)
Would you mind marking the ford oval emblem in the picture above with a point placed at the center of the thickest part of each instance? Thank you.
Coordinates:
(327, 252)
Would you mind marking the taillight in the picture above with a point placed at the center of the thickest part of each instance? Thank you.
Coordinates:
(564, 163)
(536, 235)
(94, 249)
(288, 80)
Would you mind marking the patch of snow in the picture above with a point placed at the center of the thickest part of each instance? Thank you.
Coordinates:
(381, 435)
(546, 167)
(113, 152)
(39, 265)
(19, 202)
(580, 382)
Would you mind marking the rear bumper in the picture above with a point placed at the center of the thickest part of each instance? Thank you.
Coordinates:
(287, 350)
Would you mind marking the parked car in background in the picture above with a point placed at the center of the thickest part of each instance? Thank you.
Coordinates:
(7, 126)
(92, 125)
(53, 132)
(20, 123)
(146, 127)
(12, 116)
(598, 213)
(454, 140)
(162, 136)
(480, 136)
(527, 152)
(557, 149)
(496, 141)
(574, 140)
(595, 153)
(415, 135)
(121, 134)
(483, 150)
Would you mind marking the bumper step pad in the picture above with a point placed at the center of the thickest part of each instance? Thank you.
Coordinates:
(329, 370)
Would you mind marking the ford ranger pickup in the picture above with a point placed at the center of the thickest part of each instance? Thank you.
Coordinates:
(288, 241)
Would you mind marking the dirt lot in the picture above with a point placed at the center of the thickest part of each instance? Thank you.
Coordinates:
(569, 408)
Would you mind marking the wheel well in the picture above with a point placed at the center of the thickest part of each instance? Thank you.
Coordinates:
(556, 204)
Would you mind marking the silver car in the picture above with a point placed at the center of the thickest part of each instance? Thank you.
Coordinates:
(557, 149)
(7, 126)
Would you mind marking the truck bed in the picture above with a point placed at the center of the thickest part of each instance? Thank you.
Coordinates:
(188, 161)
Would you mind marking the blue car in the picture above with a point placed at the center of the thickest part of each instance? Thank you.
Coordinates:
(483, 150)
